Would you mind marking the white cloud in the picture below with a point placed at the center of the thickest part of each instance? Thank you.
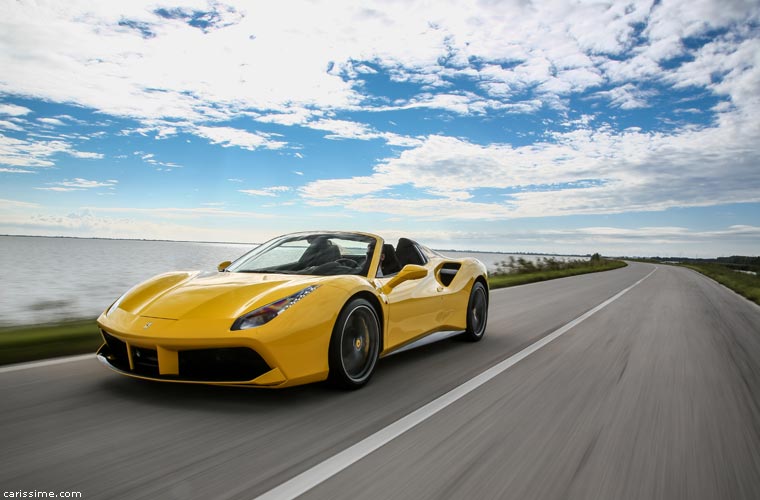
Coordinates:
(627, 96)
(78, 184)
(346, 129)
(511, 57)
(51, 121)
(462, 103)
(14, 204)
(739, 65)
(16, 171)
(342, 129)
(610, 241)
(91, 223)
(173, 75)
(37, 153)
(59, 189)
(7, 125)
(166, 132)
(180, 212)
(87, 184)
(150, 158)
(228, 136)
(583, 171)
(338, 129)
(85, 154)
(292, 117)
(13, 110)
(267, 191)
(647, 241)
(660, 232)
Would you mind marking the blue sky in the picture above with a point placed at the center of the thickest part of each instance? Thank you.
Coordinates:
(628, 128)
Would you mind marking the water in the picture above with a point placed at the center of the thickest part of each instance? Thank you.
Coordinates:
(47, 280)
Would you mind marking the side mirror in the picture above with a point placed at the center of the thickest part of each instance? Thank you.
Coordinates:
(224, 265)
(409, 272)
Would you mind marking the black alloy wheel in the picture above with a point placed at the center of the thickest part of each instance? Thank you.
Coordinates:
(477, 313)
(354, 345)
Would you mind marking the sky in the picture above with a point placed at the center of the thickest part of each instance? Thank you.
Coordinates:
(626, 128)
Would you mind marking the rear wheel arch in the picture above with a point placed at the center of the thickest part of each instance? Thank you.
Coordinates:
(477, 311)
(482, 279)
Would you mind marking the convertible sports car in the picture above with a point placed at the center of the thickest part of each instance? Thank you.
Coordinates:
(300, 308)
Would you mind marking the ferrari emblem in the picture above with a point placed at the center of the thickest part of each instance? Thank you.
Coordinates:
(147, 325)
(358, 343)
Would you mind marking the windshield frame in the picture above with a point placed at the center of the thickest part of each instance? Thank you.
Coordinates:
(373, 241)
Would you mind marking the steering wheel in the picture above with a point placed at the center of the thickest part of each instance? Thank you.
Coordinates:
(347, 262)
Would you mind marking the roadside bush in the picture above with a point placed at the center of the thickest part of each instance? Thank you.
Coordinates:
(521, 265)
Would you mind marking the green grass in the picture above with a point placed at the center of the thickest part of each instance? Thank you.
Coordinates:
(505, 280)
(29, 343)
(743, 284)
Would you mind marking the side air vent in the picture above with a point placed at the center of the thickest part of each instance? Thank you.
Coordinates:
(447, 272)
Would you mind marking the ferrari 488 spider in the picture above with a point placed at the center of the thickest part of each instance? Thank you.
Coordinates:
(300, 308)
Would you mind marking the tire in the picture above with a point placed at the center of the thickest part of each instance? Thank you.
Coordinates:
(354, 345)
(477, 313)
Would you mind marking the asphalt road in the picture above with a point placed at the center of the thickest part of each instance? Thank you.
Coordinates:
(657, 395)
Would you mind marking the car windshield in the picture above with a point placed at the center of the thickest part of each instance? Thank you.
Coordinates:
(320, 254)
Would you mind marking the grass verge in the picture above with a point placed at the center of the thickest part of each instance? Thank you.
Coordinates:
(505, 280)
(744, 284)
(29, 343)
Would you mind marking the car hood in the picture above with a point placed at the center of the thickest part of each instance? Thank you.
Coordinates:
(209, 294)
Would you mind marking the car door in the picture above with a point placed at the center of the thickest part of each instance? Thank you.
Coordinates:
(414, 309)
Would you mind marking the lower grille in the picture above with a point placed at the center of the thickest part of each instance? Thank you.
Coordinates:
(223, 364)
(227, 364)
(145, 361)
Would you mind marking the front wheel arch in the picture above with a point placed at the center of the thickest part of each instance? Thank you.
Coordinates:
(354, 344)
(372, 299)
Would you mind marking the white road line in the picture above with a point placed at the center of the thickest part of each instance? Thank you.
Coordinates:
(47, 362)
(310, 478)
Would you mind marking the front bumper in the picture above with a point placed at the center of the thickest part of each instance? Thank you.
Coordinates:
(224, 365)
(290, 350)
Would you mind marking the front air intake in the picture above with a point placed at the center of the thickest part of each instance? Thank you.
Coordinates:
(226, 364)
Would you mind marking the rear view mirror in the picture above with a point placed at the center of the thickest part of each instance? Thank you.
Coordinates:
(224, 265)
(408, 273)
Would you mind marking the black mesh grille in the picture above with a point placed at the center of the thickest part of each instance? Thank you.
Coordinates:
(228, 364)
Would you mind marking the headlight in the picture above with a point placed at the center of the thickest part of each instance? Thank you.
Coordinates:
(267, 313)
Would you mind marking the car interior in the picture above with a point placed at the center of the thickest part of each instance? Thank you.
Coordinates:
(324, 257)
(405, 252)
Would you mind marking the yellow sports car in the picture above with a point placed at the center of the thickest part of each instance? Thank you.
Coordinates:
(300, 308)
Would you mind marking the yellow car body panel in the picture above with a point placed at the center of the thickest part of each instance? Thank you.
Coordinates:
(167, 319)
(418, 308)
